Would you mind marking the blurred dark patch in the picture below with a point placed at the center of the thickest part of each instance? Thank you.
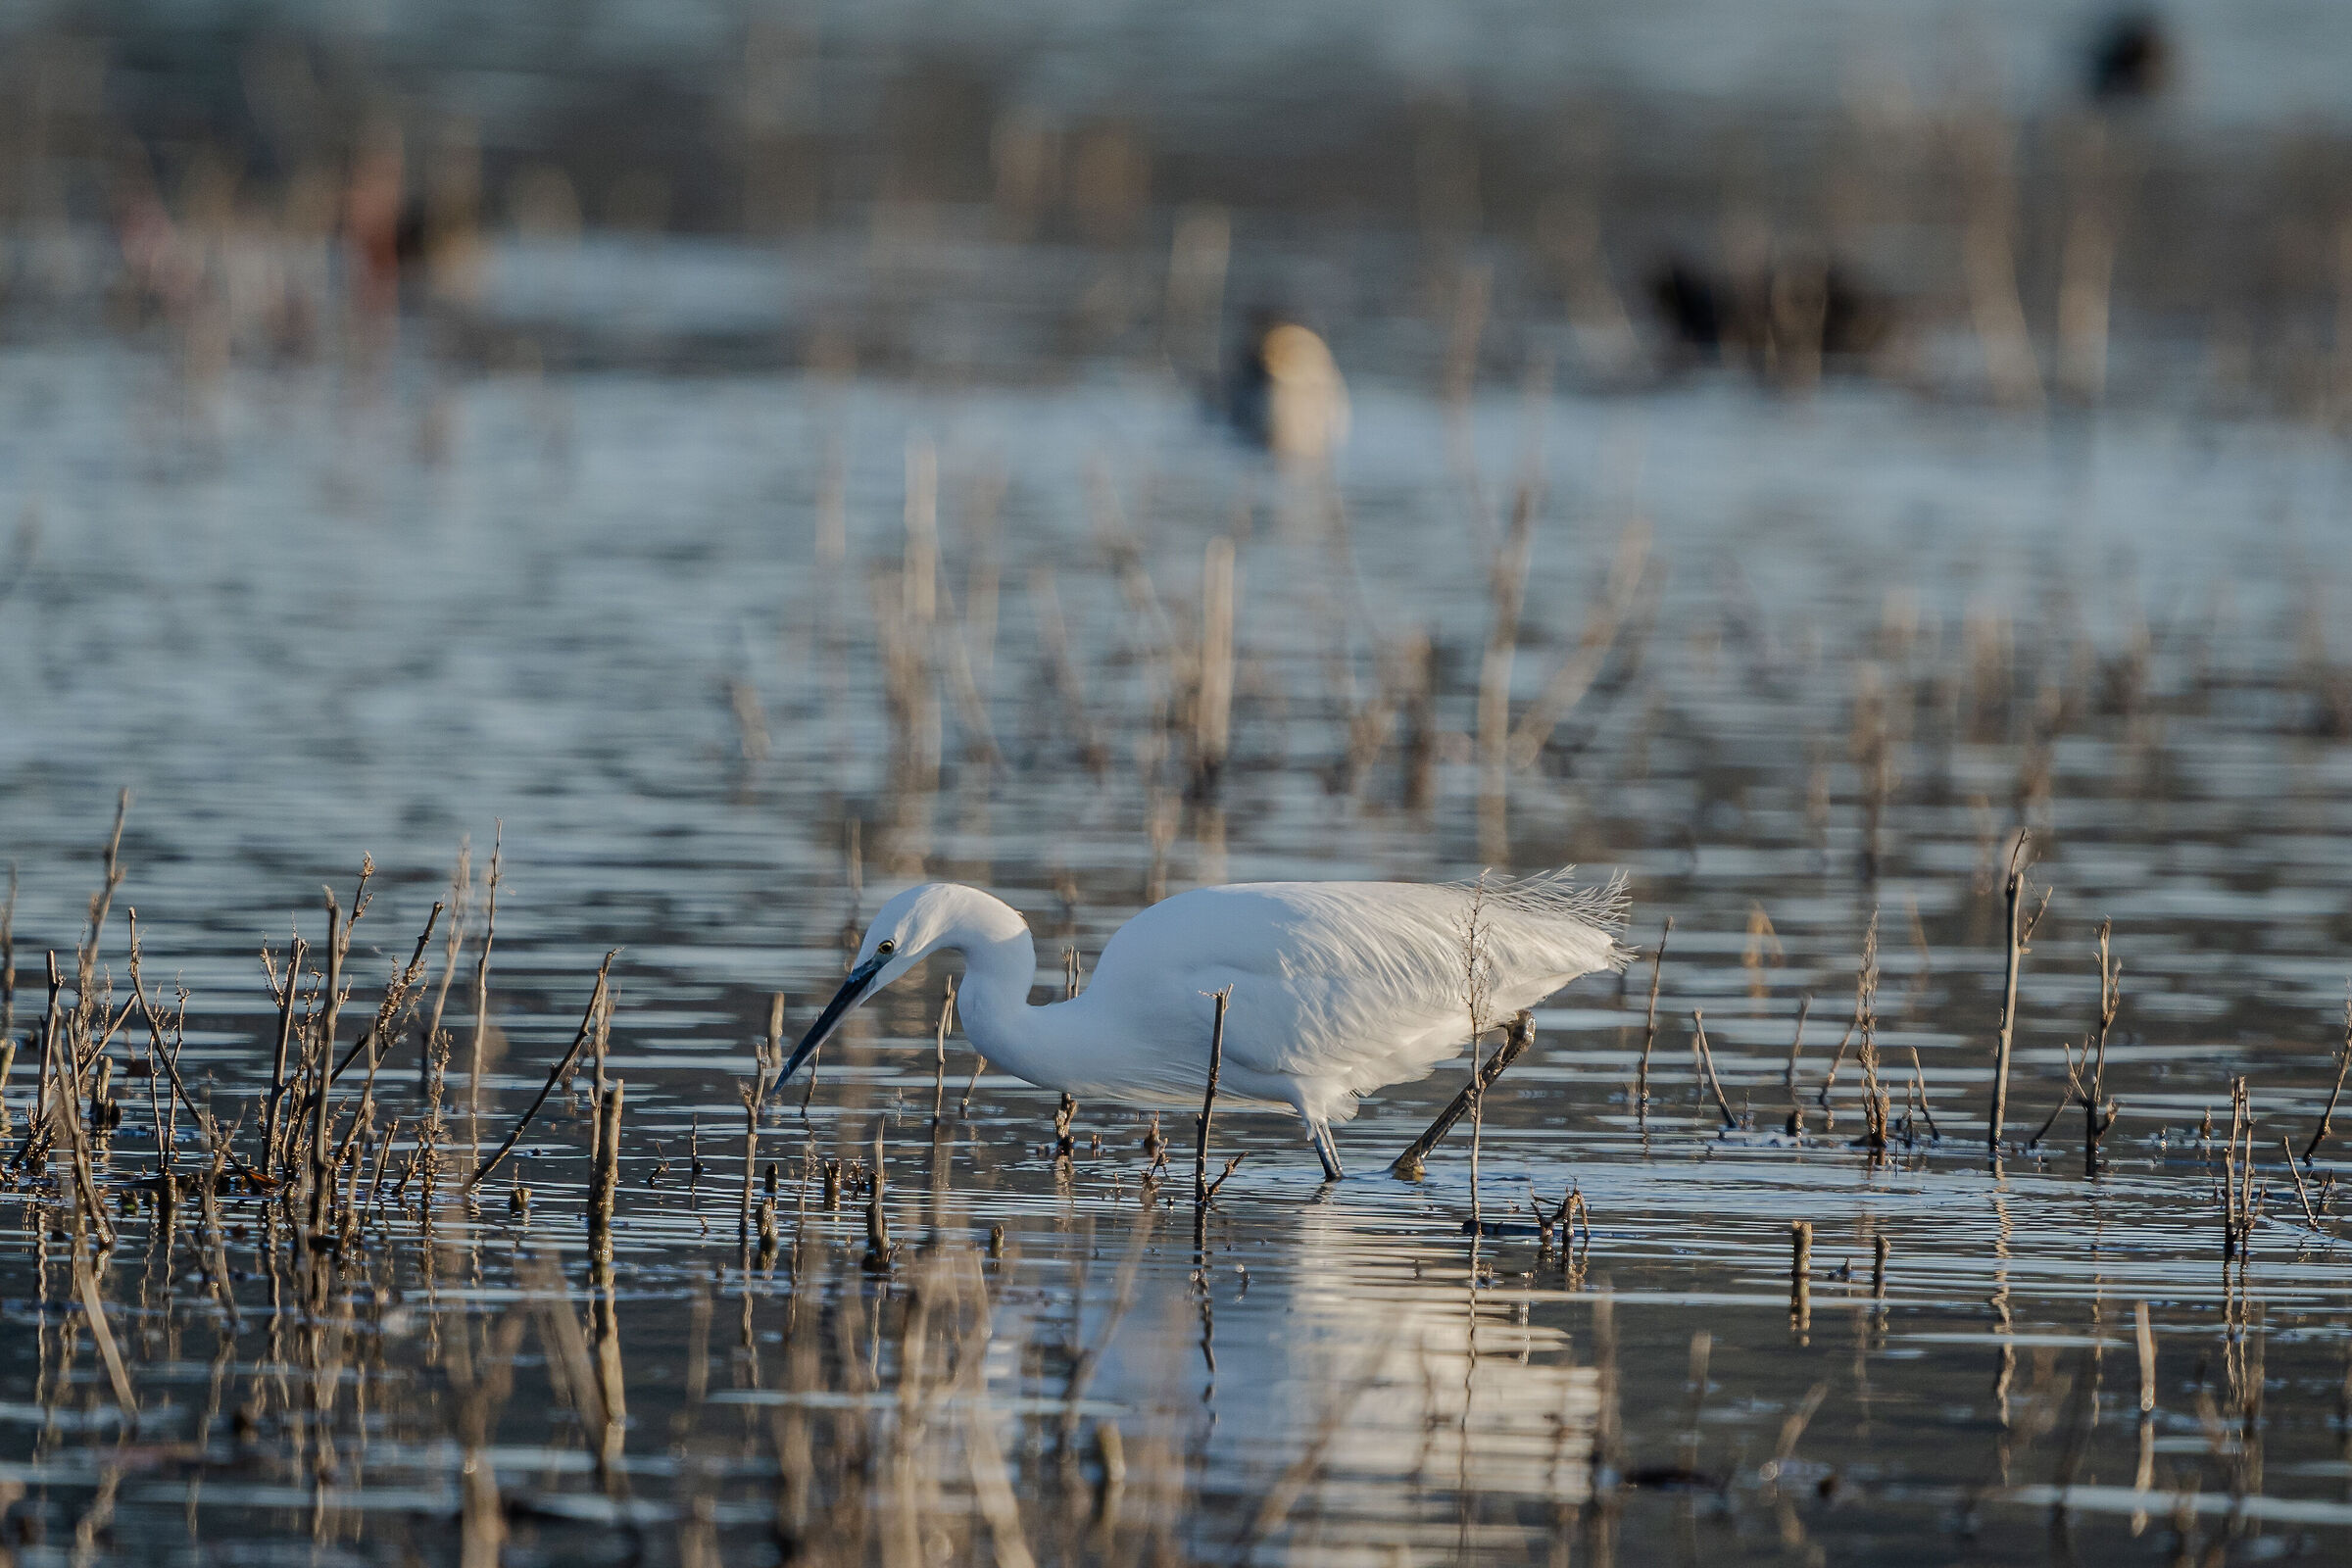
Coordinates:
(2130, 58)
(1791, 317)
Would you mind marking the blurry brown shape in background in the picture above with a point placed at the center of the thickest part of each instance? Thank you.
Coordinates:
(372, 238)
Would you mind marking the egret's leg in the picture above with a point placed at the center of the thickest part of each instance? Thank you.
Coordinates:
(1325, 1150)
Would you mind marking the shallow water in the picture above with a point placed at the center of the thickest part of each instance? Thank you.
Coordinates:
(613, 622)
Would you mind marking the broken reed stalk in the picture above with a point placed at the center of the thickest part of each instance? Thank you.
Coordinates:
(579, 1041)
(1209, 1104)
(2013, 893)
(2343, 1062)
(604, 1184)
(2302, 1193)
(1796, 1043)
(1519, 1035)
(1649, 1025)
(1828, 1080)
(1706, 1063)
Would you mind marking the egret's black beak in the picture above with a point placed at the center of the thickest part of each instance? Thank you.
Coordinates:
(853, 991)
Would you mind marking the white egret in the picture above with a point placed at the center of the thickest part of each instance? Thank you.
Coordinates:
(1338, 988)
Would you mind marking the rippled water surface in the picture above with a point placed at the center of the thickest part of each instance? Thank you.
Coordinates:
(637, 629)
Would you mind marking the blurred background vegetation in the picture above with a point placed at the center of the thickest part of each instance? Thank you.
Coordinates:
(2027, 204)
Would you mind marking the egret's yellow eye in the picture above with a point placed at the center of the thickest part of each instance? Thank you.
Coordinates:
(884, 947)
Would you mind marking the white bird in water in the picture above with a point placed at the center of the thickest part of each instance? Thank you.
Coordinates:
(1338, 989)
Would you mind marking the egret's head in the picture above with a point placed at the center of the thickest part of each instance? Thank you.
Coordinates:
(909, 928)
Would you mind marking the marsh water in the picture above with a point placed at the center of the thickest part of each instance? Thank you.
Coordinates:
(637, 628)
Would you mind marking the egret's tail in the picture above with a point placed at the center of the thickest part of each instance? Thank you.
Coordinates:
(1557, 897)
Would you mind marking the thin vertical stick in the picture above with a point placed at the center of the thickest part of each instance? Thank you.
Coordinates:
(2013, 893)
(321, 1179)
(1649, 1026)
(296, 953)
(1209, 1105)
(49, 1020)
(481, 988)
(461, 900)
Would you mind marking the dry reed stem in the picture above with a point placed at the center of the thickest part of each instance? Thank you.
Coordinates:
(1797, 1044)
(2098, 1112)
(1209, 1104)
(1866, 1019)
(2302, 1193)
(461, 903)
(2019, 930)
(768, 1059)
(296, 953)
(579, 1040)
(481, 985)
(1649, 1024)
(1706, 1064)
(1478, 977)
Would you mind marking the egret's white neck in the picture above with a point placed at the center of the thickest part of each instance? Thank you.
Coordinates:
(999, 958)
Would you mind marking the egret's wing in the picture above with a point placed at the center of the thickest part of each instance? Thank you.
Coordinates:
(1354, 984)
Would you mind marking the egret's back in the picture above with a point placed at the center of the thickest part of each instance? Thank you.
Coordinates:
(1346, 987)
